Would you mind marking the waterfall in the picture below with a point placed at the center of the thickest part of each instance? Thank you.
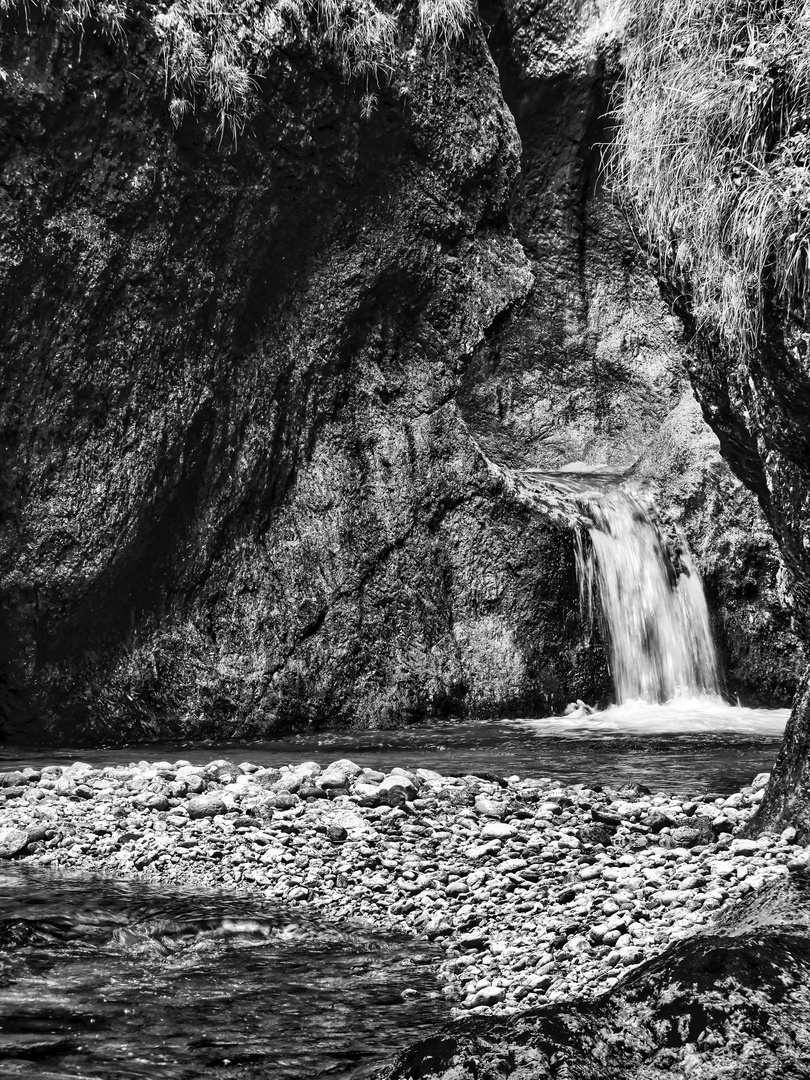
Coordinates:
(653, 605)
(650, 594)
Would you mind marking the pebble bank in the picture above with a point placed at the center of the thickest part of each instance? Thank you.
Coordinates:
(531, 892)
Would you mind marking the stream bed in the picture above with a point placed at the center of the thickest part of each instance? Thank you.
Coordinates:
(127, 980)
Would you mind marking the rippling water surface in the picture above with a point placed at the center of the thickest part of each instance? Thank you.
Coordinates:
(130, 981)
(687, 746)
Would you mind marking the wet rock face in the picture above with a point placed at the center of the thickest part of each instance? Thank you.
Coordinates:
(237, 493)
(732, 1001)
(590, 366)
(762, 655)
(758, 407)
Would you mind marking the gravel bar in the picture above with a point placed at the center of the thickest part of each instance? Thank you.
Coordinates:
(532, 892)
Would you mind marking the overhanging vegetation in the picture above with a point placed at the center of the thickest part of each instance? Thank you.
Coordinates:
(712, 154)
(215, 51)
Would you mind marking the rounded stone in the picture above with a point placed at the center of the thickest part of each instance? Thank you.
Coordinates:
(205, 806)
(497, 830)
(12, 779)
(285, 800)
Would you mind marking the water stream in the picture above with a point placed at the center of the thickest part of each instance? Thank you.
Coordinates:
(653, 604)
(129, 981)
(643, 582)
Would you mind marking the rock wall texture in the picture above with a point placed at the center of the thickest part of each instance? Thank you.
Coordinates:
(248, 396)
(590, 366)
(237, 492)
(689, 165)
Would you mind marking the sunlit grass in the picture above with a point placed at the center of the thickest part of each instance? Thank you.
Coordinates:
(713, 154)
(215, 52)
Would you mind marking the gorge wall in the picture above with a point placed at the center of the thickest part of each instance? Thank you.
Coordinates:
(592, 366)
(250, 395)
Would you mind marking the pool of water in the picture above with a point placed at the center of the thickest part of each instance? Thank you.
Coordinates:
(122, 981)
(687, 747)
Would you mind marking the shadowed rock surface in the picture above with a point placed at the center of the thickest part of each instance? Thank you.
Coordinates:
(237, 493)
(590, 366)
(733, 1001)
(244, 393)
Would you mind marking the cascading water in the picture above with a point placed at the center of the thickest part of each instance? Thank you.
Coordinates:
(650, 595)
(654, 607)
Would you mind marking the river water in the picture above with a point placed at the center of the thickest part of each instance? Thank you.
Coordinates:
(119, 981)
(689, 746)
(114, 981)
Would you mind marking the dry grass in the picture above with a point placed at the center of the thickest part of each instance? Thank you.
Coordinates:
(108, 15)
(714, 153)
(215, 51)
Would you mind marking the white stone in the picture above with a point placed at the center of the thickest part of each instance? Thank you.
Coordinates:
(497, 830)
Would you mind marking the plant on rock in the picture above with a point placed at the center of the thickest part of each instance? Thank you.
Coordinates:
(215, 52)
(713, 154)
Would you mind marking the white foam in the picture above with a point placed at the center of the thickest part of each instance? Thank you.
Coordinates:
(698, 715)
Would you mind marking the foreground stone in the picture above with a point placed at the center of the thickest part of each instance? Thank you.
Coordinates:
(731, 1003)
(531, 892)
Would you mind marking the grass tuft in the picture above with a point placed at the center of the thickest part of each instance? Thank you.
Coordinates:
(444, 21)
(214, 51)
(713, 154)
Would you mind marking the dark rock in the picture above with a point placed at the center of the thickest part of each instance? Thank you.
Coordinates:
(285, 800)
(605, 817)
(267, 778)
(13, 792)
(787, 797)
(595, 834)
(474, 941)
(685, 836)
(732, 1001)
(387, 256)
(721, 825)
(336, 833)
(39, 832)
(658, 821)
(394, 796)
(311, 791)
(12, 779)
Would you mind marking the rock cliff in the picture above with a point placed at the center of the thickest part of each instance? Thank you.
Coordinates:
(713, 153)
(238, 494)
(250, 394)
(591, 366)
